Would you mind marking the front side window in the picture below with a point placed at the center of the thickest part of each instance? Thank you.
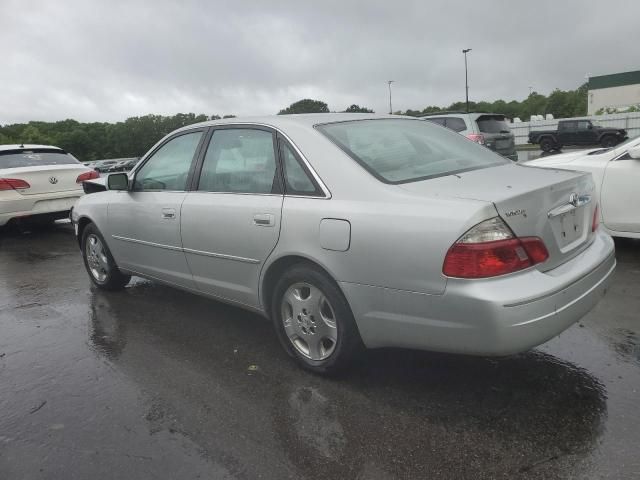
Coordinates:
(239, 160)
(168, 168)
(399, 151)
(583, 125)
(296, 178)
(456, 124)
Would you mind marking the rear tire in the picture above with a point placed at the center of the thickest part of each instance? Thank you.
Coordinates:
(313, 320)
(547, 144)
(101, 267)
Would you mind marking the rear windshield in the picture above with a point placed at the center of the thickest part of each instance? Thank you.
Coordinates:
(400, 151)
(493, 124)
(34, 158)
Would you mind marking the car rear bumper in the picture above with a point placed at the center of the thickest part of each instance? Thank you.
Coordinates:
(32, 205)
(499, 316)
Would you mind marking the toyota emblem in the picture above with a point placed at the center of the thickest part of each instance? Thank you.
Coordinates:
(53, 180)
(574, 199)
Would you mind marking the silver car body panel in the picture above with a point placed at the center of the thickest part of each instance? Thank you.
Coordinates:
(388, 261)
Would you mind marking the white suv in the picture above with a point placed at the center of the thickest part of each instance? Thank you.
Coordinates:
(488, 129)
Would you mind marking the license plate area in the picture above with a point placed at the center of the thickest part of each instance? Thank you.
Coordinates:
(569, 229)
(503, 143)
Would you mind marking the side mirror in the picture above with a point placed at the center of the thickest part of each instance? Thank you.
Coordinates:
(590, 127)
(634, 152)
(118, 181)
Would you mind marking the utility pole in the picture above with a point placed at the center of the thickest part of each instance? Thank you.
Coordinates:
(466, 78)
(389, 82)
(530, 90)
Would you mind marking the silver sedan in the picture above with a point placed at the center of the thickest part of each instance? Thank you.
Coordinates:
(352, 230)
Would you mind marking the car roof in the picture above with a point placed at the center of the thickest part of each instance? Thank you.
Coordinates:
(471, 114)
(27, 146)
(304, 119)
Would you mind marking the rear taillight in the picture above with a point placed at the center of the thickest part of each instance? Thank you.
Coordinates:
(83, 177)
(13, 184)
(476, 137)
(595, 223)
(490, 249)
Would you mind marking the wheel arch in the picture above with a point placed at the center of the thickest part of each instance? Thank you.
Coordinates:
(82, 224)
(277, 267)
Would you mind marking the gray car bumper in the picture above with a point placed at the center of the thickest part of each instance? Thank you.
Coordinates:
(498, 316)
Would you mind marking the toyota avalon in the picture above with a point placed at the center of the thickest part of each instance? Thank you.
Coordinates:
(351, 230)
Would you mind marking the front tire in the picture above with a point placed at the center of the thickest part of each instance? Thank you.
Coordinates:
(101, 267)
(313, 320)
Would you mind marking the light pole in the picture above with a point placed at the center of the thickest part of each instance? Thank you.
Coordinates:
(466, 79)
(389, 82)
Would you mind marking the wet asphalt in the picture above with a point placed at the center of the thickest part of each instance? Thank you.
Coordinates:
(156, 383)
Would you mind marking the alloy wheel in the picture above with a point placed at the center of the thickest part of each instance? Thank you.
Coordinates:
(309, 321)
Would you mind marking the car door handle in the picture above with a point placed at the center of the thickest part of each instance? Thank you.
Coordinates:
(263, 220)
(168, 213)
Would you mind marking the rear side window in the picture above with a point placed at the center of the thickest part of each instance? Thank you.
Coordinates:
(567, 126)
(438, 120)
(297, 181)
(35, 158)
(456, 124)
(240, 161)
(400, 151)
(493, 124)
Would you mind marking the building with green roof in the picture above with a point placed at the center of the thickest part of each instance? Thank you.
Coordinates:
(617, 91)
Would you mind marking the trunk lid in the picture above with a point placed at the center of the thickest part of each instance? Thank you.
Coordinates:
(534, 202)
(46, 178)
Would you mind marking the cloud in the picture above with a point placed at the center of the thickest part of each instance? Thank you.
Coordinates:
(108, 60)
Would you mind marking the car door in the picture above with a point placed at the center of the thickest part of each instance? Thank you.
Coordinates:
(231, 219)
(144, 222)
(567, 132)
(620, 195)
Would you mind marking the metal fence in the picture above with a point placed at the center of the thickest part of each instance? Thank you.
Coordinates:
(629, 121)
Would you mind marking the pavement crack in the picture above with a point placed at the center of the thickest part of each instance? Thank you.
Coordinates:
(34, 410)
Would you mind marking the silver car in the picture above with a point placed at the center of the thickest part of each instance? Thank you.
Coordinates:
(351, 230)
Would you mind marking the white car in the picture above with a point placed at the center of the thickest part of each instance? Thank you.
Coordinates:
(39, 182)
(616, 172)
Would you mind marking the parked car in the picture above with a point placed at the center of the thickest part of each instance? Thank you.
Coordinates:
(123, 165)
(354, 229)
(488, 129)
(103, 165)
(577, 132)
(616, 172)
(39, 182)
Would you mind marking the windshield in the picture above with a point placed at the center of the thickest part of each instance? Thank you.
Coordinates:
(493, 124)
(35, 158)
(399, 150)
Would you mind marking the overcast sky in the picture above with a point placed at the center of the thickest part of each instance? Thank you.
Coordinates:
(109, 60)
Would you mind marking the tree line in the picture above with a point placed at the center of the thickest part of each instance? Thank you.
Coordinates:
(134, 136)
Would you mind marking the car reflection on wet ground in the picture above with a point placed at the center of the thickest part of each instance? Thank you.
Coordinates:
(156, 383)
